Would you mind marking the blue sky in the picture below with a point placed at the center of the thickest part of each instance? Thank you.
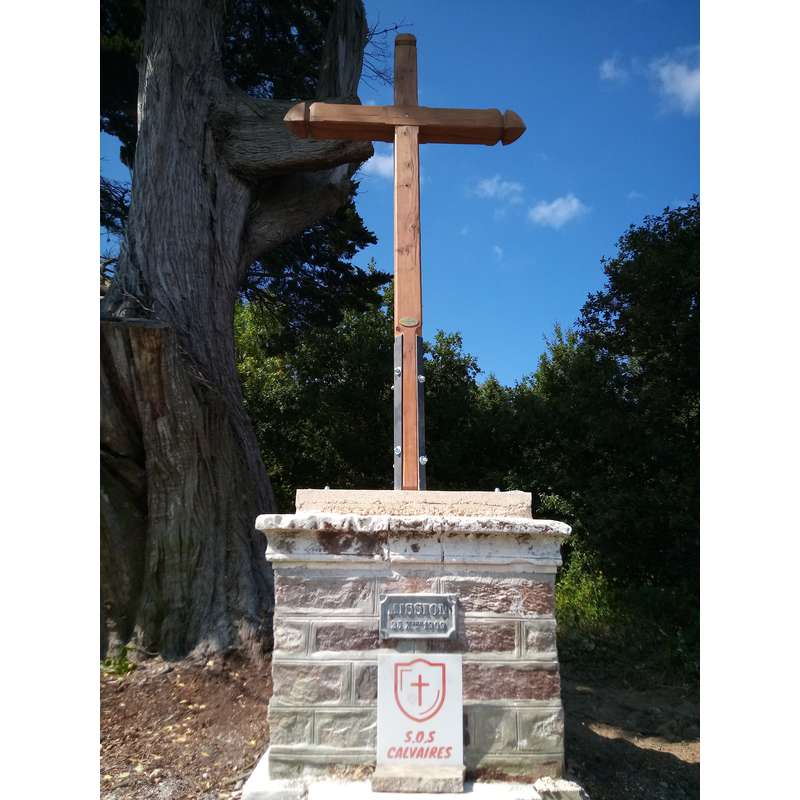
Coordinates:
(512, 236)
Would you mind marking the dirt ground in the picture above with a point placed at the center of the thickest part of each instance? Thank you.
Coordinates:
(632, 744)
(175, 731)
(180, 731)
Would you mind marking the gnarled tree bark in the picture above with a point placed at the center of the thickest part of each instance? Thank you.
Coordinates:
(218, 180)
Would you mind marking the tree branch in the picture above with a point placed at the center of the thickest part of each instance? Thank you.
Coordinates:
(296, 182)
(251, 137)
(291, 204)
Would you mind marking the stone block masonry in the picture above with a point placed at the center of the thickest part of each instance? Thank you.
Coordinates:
(330, 571)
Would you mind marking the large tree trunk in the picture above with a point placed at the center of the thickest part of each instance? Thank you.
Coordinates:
(217, 181)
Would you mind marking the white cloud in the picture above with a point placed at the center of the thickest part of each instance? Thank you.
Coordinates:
(497, 189)
(678, 79)
(612, 70)
(558, 212)
(634, 195)
(498, 252)
(381, 164)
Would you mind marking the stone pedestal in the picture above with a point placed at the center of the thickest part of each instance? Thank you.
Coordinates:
(332, 561)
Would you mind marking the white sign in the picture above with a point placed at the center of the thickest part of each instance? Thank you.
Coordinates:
(420, 719)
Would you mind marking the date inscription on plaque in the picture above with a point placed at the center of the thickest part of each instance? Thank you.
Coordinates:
(418, 616)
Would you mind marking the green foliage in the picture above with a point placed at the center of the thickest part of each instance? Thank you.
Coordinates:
(584, 600)
(118, 664)
(322, 409)
(614, 406)
(605, 434)
(632, 633)
(309, 281)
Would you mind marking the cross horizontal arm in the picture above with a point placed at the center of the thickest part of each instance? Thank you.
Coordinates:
(378, 123)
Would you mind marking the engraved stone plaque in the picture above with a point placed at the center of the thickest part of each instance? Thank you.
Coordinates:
(418, 616)
(420, 737)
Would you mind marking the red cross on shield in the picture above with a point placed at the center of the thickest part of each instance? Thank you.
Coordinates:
(419, 688)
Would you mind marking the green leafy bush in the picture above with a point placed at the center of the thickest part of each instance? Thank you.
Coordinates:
(633, 633)
(118, 664)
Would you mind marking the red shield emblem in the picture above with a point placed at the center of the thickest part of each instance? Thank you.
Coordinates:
(419, 688)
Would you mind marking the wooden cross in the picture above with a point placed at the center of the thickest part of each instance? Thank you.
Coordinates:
(408, 125)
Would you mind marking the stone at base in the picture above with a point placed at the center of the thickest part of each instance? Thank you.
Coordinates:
(328, 790)
(259, 786)
(390, 778)
(559, 789)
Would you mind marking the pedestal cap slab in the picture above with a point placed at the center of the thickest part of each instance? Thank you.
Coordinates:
(325, 537)
(411, 503)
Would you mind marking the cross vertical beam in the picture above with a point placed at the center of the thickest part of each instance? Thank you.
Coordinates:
(407, 265)
(408, 125)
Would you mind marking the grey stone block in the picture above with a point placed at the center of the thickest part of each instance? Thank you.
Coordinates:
(309, 683)
(365, 683)
(492, 729)
(513, 766)
(289, 726)
(540, 638)
(290, 636)
(346, 728)
(541, 729)
(408, 778)
(259, 786)
(316, 763)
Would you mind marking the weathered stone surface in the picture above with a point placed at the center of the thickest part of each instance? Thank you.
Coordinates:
(559, 789)
(459, 504)
(346, 635)
(285, 531)
(312, 594)
(413, 540)
(260, 786)
(487, 681)
(290, 726)
(365, 677)
(540, 637)
(296, 683)
(518, 530)
(541, 729)
(341, 765)
(518, 596)
(483, 637)
(473, 636)
(346, 728)
(416, 778)
(493, 729)
(511, 767)
(290, 637)
(406, 584)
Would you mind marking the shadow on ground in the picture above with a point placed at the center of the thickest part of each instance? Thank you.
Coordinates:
(624, 743)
